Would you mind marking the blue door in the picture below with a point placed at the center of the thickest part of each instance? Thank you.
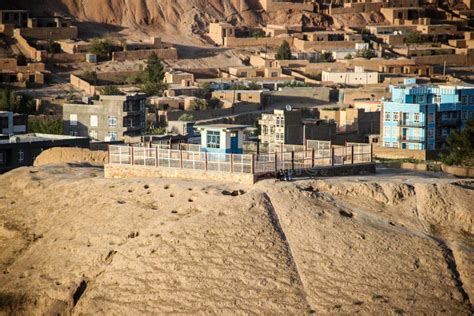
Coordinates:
(234, 143)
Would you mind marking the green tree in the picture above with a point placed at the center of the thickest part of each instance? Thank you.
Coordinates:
(366, 53)
(48, 125)
(10, 101)
(153, 76)
(111, 90)
(252, 85)
(461, 146)
(199, 105)
(257, 34)
(284, 51)
(101, 47)
(348, 56)
(325, 57)
(414, 38)
(53, 47)
(213, 103)
(186, 117)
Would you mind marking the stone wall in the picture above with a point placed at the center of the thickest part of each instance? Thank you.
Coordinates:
(166, 53)
(398, 153)
(329, 171)
(234, 42)
(63, 57)
(127, 171)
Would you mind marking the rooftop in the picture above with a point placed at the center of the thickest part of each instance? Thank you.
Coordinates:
(222, 126)
(37, 137)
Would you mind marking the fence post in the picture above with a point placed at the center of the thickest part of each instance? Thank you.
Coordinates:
(352, 154)
(132, 154)
(332, 156)
(108, 153)
(156, 156)
(293, 160)
(231, 162)
(205, 163)
(312, 158)
(180, 157)
(252, 170)
(276, 162)
(371, 152)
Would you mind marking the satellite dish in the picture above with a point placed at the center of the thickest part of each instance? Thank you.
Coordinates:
(288, 107)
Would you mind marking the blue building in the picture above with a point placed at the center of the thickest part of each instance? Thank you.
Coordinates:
(420, 117)
(222, 138)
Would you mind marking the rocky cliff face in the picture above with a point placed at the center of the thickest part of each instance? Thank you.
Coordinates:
(183, 16)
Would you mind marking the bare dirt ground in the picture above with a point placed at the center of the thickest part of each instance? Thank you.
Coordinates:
(74, 242)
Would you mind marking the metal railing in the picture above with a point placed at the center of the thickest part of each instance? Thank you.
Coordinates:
(161, 157)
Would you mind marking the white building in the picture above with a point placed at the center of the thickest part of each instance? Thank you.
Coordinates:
(357, 77)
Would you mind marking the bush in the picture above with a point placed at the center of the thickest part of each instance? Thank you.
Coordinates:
(326, 57)
(111, 90)
(414, 38)
(90, 77)
(186, 117)
(257, 34)
(366, 53)
(101, 47)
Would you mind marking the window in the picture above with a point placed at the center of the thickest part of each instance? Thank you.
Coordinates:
(464, 99)
(396, 116)
(471, 99)
(93, 134)
(416, 117)
(437, 98)
(445, 116)
(112, 121)
(94, 121)
(73, 133)
(73, 119)
(431, 133)
(213, 139)
(386, 144)
(395, 144)
(112, 136)
(387, 116)
(21, 155)
(464, 115)
(395, 131)
(431, 117)
(421, 99)
(387, 131)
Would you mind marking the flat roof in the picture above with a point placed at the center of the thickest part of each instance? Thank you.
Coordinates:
(222, 126)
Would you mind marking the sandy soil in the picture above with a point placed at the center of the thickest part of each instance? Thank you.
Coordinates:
(74, 242)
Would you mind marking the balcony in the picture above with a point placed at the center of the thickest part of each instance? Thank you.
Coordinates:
(412, 124)
(411, 139)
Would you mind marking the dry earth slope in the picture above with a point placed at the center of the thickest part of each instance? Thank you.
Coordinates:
(74, 242)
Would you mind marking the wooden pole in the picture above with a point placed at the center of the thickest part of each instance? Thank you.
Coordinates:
(293, 160)
(352, 154)
(371, 152)
(253, 164)
(205, 164)
(132, 154)
(332, 156)
(180, 157)
(231, 162)
(312, 158)
(108, 153)
(276, 162)
(156, 156)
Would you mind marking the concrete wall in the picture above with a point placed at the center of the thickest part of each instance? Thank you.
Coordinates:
(127, 171)
(166, 53)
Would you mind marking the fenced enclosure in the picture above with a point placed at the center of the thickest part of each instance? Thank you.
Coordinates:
(315, 155)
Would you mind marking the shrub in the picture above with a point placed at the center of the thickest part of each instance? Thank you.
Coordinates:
(284, 51)
(460, 147)
(186, 117)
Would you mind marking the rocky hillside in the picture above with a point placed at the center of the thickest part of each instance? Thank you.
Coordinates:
(72, 242)
(183, 16)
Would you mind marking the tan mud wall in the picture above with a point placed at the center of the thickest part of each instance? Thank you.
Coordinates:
(49, 33)
(233, 42)
(127, 171)
(168, 53)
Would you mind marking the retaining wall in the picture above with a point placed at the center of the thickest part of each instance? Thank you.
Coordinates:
(459, 171)
(322, 45)
(126, 171)
(329, 171)
(49, 33)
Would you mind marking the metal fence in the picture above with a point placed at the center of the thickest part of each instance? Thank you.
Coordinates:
(165, 157)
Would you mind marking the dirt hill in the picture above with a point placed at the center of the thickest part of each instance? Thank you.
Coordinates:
(72, 242)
